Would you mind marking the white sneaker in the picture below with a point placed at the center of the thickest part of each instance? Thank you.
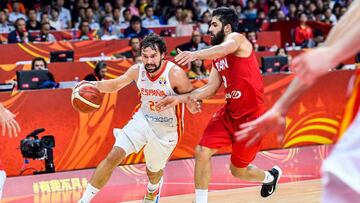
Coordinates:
(2, 181)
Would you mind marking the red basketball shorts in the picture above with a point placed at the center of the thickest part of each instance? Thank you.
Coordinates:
(220, 133)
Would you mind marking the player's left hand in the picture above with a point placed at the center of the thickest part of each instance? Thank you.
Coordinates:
(185, 57)
(193, 105)
(271, 122)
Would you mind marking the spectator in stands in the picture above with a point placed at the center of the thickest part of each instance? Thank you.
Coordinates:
(89, 14)
(135, 29)
(196, 43)
(107, 32)
(16, 14)
(205, 20)
(150, 20)
(127, 17)
(304, 33)
(54, 19)
(64, 15)
(5, 25)
(45, 35)
(137, 59)
(10, 8)
(39, 63)
(292, 11)
(117, 18)
(32, 23)
(20, 34)
(45, 19)
(330, 16)
(132, 7)
(197, 70)
(95, 5)
(107, 10)
(119, 5)
(185, 28)
(282, 52)
(99, 72)
(250, 11)
(84, 31)
(252, 37)
(135, 49)
(176, 19)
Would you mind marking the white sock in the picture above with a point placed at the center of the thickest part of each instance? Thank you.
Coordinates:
(201, 195)
(268, 177)
(89, 193)
(153, 187)
(2, 181)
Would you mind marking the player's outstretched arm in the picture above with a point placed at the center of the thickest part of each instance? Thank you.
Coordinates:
(203, 92)
(114, 85)
(230, 45)
(8, 123)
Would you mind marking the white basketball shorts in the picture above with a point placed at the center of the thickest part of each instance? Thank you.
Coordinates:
(158, 141)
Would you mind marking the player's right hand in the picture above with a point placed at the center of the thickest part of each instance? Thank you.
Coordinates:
(8, 123)
(167, 102)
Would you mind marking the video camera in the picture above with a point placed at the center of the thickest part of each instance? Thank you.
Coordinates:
(35, 148)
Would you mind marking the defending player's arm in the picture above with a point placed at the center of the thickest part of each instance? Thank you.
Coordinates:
(205, 91)
(114, 85)
(235, 42)
(8, 123)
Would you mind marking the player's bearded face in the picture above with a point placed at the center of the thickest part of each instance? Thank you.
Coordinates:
(152, 59)
(217, 38)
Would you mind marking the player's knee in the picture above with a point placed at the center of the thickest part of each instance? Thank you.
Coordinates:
(115, 157)
(202, 154)
(239, 172)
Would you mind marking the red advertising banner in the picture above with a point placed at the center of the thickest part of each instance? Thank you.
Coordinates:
(83, 140)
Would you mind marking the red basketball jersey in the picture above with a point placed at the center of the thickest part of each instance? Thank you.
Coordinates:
(244, 89)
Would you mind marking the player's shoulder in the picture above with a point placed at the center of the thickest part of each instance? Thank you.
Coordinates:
(175, 71)
(236, 36)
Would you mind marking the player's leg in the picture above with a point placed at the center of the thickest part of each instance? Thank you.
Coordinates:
(215, 136)
(241, 168)
(157, 152)
(128, 140)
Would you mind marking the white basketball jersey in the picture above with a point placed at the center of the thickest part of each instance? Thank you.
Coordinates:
(153, 90)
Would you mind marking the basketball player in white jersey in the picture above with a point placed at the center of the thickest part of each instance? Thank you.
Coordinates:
(157, 132)
(9, 124)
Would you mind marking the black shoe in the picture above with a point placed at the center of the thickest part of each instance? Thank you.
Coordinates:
(268, 189)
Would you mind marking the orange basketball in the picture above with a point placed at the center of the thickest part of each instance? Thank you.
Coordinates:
(86, 97)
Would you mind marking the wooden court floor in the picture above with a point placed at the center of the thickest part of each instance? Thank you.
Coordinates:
(302, 192)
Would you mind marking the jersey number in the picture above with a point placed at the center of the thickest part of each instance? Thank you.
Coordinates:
(225, 83)
(152, 106)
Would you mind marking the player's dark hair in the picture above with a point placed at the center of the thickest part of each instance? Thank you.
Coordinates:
(153, 40)
(227, 16)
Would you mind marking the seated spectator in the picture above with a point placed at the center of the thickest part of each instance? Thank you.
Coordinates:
(64, 14)
(16, 14)
(10, 8)
(107, 32)
(304, 33)
(45, 19)
(150, 19)
(197, 70)
(117, 18)
(84, 31)
(176, 19)
(127, 17)
(45, 35)
(282, 52)
(32, 23)
(205, 21)
(185, 28)
(135, 29)
(54, 19)
(135, 49)
(39, 63)
(330, 16)
(196, 43)
(252, 37)
(250, 11)
(137, 59)
(99, 72)
(89, 14)
(20, 34)
(5, 25)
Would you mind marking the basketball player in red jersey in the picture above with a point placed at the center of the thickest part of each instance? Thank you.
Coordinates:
(234, 65)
